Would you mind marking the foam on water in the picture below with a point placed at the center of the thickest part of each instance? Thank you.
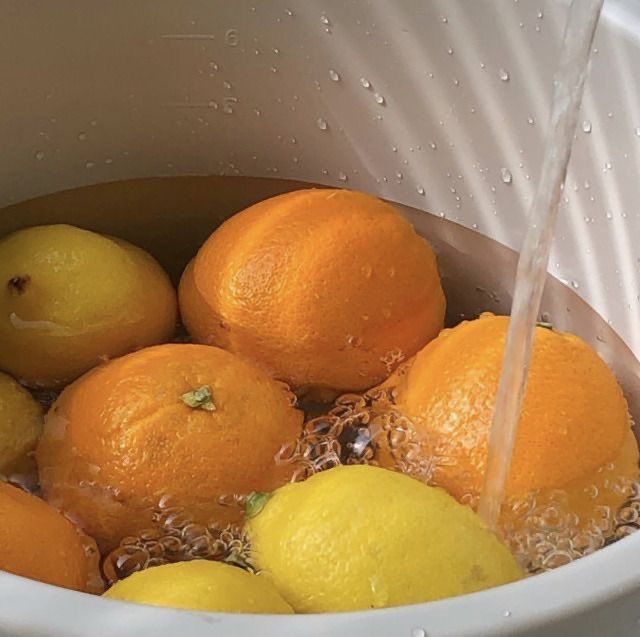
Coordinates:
(175, 537)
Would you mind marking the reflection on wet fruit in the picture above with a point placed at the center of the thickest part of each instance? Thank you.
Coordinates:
(70, 299)
(38, 542)
(188, 422)
(328, 290)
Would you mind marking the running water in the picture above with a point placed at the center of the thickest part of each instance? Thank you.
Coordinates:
(532, 265)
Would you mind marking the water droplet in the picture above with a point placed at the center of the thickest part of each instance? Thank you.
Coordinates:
(637, 131)
(227, 85)
(342, 176)
(420, 190)
(503, 74)
(334, 75)
(276, 50)
(575, 285)
(82, 137)
(450, 51)
(399, 175)
(506, 613)
(90, 164)
(418, 632)
(607, 166)
(289, 12)
(274, 69)
(609, 114)
(325, 20)
(213, 104)
(364, 82)
(587, 185)
(231, 37)
(506, 176)
(379, 99)
(586, 126)
(322, 123)
(540, 14)
(39, 155)
(531, 121)
(609, 215)
(257, 111)
(433, 146)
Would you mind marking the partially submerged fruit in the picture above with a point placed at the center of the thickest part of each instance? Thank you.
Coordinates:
(326, 289)
(38, 542)
(201, 585)
(358, 537)
(574, 420)
(123, 439)
(70, 298)
(20, 427)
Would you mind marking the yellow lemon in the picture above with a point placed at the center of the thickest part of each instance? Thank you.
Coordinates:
(70, 298)
(357, 537)
(20, 427)
(201, 585)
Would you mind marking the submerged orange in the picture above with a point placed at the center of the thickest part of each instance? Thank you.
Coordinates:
(38, 542)
(574, 432)
(186, 423)
(328, 290)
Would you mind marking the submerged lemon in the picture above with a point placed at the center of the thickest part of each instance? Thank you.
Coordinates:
(20, 427)
(201, 585)
(357, 537)
(70, 298)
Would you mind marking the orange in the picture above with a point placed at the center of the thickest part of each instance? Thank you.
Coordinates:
(574, 420)
(38, 542)
(189, 423)
(328, 290)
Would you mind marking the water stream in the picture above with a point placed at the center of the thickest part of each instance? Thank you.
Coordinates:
(534, 257)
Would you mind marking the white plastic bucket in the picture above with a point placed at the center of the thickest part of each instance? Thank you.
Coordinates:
(437, 105)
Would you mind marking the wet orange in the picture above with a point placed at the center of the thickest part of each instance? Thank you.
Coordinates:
(574, 423)
(327, 290)
(132, 434)
(38, 542)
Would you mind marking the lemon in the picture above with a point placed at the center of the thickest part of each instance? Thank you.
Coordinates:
(357, 537)
(201, 585)
(70, 298)
(20, 427)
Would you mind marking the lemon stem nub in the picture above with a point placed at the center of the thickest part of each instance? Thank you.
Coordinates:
(255, 503)
(201, 398)
(18, 284)
(546, 325)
